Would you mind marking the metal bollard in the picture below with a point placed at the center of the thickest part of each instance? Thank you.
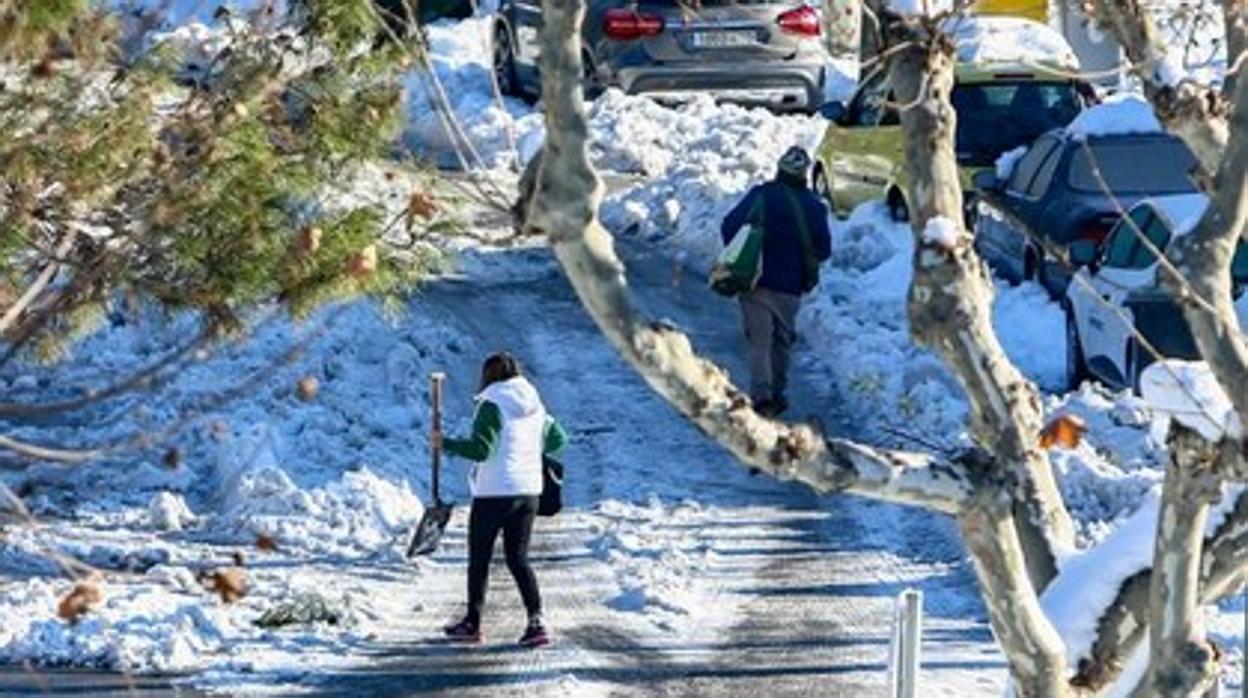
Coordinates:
(907, 637)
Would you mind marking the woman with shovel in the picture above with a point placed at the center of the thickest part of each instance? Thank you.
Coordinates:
(510, 433)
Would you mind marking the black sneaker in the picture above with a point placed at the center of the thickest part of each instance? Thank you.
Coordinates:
(463, 631)
(779, 405)
(765, 408)
(535, 635)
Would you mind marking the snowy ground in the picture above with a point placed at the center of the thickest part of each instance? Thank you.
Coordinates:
(673, 572)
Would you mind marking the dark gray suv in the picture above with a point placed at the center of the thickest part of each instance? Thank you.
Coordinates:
(763, 52)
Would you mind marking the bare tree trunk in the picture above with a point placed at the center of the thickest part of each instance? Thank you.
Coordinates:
(1182, 663)
(1203, 258)
(950, 302)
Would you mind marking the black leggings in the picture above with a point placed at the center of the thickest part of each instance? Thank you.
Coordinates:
(514, 516)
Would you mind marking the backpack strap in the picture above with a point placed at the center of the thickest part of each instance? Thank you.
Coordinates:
(803, 229)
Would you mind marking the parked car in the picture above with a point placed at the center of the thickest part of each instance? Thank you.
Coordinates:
(1117, 291)
(763, 52)
(1067, 187)
(1000, 106)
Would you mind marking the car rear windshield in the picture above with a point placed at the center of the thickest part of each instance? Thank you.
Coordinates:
(997, 116)
(1134, 166)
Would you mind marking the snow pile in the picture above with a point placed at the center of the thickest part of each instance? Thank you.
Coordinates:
(359, 512)
(1188, 392)
(989, 39)
(698, 160)
(1119, 114)
(659, 566)
(453, 107)
(1032, 330)
(169, 512)
(1008, 160)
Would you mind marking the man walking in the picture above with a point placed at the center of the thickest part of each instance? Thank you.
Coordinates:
(795, 241)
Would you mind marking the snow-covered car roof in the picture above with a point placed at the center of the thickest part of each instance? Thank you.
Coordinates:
(1120, 114)
(989, 39)
(1181, 211)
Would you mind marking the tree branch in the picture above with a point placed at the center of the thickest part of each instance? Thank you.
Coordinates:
(38, 285)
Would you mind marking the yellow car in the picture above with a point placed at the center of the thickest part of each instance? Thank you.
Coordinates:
(1000, 106)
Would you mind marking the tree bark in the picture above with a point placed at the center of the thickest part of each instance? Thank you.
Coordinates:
(1182, 663)
(950, 300)
(1203, 259)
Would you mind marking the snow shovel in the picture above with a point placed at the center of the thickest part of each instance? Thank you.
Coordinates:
(438, 513)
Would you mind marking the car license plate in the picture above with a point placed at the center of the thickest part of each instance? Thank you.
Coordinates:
(725, 39)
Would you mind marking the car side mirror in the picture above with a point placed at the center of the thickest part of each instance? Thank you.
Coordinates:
(834, 111)
(1084, 253)
(986, 180)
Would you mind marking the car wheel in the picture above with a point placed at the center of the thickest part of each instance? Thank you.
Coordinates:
(1076, 365)
(824, 188)
(591, 88)
(505, 63)
(897, 208)
(1030, 263)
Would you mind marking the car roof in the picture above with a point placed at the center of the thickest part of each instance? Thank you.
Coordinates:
(1181, 212)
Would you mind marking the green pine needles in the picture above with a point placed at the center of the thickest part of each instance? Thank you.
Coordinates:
(203, 173)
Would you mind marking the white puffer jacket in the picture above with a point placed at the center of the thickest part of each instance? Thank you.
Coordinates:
(515, 468)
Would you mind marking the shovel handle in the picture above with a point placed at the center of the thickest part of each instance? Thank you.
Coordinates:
(435, 391)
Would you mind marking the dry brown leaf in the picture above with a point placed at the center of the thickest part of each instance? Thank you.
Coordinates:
(230, 583)
(76, 604)
(307, 388)
(1065, 430)
(266, 543)
(421, 205)
(363, 263)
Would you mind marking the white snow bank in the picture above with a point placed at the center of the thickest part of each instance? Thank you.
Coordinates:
(698, 160)
(1189, 392)
(988, 39)
(1119, 114)
(169, 512)
(358, 512)
(460, 86)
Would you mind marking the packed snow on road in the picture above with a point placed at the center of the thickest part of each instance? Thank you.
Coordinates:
(312, 478)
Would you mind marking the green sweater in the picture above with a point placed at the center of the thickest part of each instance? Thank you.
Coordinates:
(486, 427)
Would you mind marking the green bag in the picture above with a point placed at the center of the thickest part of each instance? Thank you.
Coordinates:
(739, 265)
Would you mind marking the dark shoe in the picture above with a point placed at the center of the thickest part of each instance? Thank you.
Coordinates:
(463, 631)
(535, 635)
(779, 405)
(765, 408)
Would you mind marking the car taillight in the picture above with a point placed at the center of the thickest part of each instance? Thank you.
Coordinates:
(626, 25)
(1096, 229)
(802, 21)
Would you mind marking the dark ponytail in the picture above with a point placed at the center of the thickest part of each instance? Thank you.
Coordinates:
(497, 368)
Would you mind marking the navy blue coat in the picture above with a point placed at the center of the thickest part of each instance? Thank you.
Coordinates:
(784, 265)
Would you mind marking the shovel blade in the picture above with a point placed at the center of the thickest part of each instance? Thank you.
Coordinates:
(429, 530)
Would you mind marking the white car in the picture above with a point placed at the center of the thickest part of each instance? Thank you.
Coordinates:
(1116, 291)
